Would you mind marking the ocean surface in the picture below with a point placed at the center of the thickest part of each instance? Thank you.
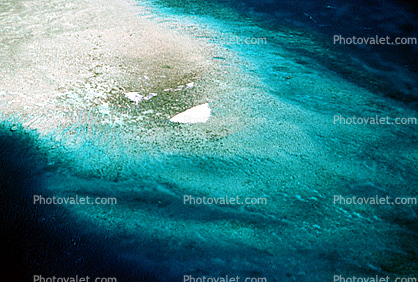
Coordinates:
(301, 125)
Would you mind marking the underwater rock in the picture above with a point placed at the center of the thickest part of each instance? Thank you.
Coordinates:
(14, 128)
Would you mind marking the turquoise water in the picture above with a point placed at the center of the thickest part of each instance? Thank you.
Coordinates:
(272, 135)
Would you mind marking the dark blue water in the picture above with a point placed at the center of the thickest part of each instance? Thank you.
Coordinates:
(327, 19)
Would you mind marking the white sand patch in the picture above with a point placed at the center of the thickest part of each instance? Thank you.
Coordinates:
(197, 114)
(91, 54)
(109, 75)
(134, 96)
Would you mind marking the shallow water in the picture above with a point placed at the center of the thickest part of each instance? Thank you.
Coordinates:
(65, 69)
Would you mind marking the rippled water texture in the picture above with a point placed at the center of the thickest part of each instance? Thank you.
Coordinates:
(68, 124)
